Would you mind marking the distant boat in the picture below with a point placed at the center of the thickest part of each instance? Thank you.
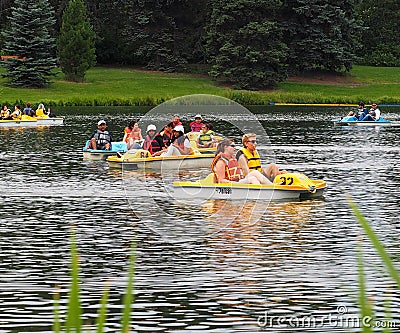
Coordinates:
(27, 121)
(344, 122)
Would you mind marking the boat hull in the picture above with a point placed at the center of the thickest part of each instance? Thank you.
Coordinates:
(163, 163)
(32, 122)
(55, 121)
(303, 188)
(17, 123)
(97, 155)
(362, 123)
(102, 155)
(237, 193)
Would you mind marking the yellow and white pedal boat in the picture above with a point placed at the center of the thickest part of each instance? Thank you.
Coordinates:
(142, 159)
(27, 121)
(286, 186)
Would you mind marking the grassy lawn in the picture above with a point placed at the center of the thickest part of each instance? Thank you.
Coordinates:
(128, 86)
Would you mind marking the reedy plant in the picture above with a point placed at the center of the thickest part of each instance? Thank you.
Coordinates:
(365, 304)
(74, 321)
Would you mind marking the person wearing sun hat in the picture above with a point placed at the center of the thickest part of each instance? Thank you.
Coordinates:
(100, 138)
(180, 145)
(197, 124)
(153, 141)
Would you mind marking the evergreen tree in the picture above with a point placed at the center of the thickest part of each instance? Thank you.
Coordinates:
(244, 43)
(151, 34)
(29, 39)
(380, 43)
(321, 34)
(76, 42)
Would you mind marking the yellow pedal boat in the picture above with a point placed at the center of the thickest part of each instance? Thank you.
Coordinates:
(142, 159)
(286, 186)
(27, 121)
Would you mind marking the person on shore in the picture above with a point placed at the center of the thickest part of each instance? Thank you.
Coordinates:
(133, 135)
(180, 145)
(374, 113)
(100, 139)
(249, 159)
(226, 167)
(197, 124)
(153, 141)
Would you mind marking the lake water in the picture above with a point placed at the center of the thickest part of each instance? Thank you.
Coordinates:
(206, 266)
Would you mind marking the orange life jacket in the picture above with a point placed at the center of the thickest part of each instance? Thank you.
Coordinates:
(131, 134)
(232, 171)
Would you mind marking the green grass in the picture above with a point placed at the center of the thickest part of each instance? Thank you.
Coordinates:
(127, 86)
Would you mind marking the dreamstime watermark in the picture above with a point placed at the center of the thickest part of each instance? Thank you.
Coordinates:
(341, 318)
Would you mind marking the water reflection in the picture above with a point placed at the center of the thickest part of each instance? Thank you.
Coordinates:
(210, 266)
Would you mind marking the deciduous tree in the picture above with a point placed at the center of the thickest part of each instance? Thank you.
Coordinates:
(380, 43)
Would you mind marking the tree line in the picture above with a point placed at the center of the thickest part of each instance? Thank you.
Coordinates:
(252, 44)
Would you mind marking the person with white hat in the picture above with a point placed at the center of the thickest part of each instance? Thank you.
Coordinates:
(153, 141)
(100, 138)
(181, 144)
(197, 124)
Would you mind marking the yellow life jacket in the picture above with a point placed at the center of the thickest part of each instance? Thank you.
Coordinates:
(39, 112)
(253, 159)
(206, 137)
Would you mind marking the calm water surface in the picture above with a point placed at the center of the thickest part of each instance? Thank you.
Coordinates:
(206, 266)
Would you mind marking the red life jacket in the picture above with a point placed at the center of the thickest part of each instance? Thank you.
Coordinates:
(167, 138)
(151, 144)
(232, 171)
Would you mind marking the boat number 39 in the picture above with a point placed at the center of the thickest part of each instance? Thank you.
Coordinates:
(286, 180)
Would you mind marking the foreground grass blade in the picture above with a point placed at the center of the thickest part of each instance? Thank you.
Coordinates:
(57, 324)
(74, 320)
(102, 314)
(366, 308)
(377, 244)
(128, 297)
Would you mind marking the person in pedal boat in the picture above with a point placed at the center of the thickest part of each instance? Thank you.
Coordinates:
(226, 168)
(17, 113)
(206, 137)
(153, 141)
(196, 125)
(180, 145)
(374, 113)
(5, 113)
(167, 134)
(133, 135)
(249, 159)
(100, 138)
